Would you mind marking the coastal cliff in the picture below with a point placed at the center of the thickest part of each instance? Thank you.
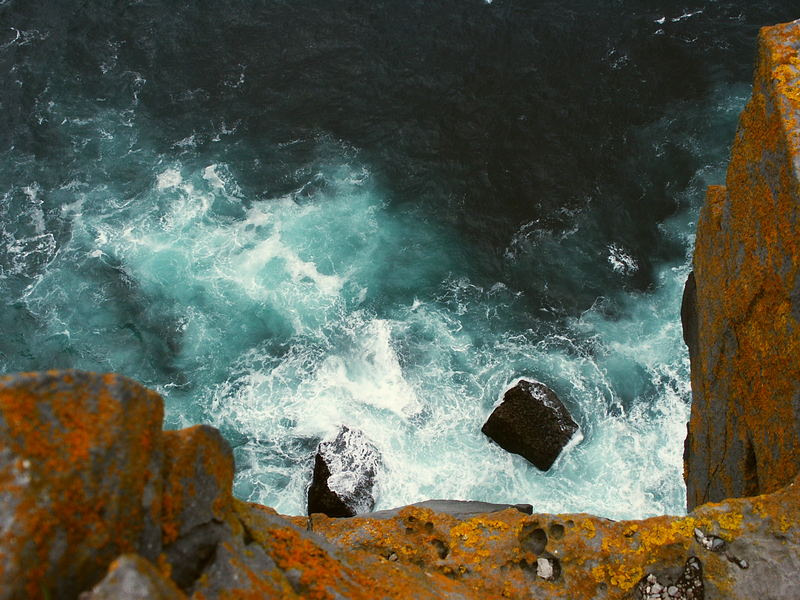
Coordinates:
(98, 502)
(741, 308)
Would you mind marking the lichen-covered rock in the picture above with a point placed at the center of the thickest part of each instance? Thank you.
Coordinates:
(742, 309)
(319, 570)
(344, 475)
(80, 479)
(215, 547)
(240, 567)
(198, 476)
(531, 421)
(130, 577)
(579, 557)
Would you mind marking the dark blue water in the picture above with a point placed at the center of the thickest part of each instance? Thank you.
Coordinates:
(291, 215)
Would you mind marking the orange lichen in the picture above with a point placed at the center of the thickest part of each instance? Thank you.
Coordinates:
(747, 258)
(72, 430)
(194, 457)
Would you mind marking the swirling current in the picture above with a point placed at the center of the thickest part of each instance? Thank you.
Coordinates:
(289, 215)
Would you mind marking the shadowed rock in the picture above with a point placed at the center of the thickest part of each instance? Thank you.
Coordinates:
(531, 421)
(131, 577)
(198, 475)
(689, 316)
(344, 475)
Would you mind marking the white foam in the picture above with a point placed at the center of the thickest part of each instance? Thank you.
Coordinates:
(621, 261)
(687, 15)
(168, 179)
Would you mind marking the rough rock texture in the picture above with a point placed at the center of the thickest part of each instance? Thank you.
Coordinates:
(741, 310)
(80, 479)
(198, 475)
(498, 555)
(212, 546)
(461, 509)
(344, 475)
(131, 577)
(531, 421)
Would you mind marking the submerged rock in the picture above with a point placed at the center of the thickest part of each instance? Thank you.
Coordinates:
(344, 475)
(531, 421)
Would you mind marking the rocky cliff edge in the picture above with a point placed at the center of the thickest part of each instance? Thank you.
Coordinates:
(97, 502)
(741, 309)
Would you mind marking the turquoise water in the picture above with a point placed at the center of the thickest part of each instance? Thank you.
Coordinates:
(198, 220)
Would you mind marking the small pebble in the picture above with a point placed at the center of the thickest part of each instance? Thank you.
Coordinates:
(544, 568)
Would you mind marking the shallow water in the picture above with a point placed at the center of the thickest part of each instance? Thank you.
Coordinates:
(297, 215)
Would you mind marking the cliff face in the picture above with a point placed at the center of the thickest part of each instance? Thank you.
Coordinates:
(741, 310)
(96, 502)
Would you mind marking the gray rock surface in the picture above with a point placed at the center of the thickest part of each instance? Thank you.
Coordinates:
(131, 577)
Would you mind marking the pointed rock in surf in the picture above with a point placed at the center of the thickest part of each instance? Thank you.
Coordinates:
(531, 421)
(344, 475)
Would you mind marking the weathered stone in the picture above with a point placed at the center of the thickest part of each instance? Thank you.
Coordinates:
(688, 586)
(241, 568)
(198, 475)
(531, 421)
(457, 508)
(317, 569)
(709, 542)
(80, 479)
(344, 475)
(130, 577)
(548, 568)
(744, 340)
(597, 558)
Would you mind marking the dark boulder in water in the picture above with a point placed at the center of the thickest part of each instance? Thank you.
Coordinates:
(344, 475)
(531, 421)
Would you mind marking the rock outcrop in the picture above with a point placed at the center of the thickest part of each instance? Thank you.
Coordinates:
(131, 577)
(741, 309)
(531, 421)
(344, 475)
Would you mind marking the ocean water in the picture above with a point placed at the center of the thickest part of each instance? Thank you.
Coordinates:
(287, 216)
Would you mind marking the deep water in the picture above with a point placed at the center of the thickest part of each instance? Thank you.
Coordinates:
(290, 215)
